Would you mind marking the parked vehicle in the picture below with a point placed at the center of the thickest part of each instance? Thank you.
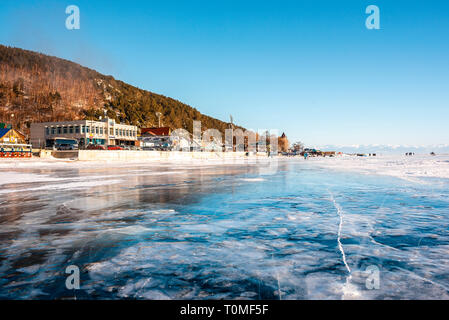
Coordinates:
(115, 148)
(95, 147)
(157, 143)
(64, 147)
(66, 144)
(62, 144)
(146, 148)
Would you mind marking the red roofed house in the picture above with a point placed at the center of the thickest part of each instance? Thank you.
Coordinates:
(155, 138)
(162, 131)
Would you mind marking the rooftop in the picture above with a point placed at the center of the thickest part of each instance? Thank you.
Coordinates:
(162, 131)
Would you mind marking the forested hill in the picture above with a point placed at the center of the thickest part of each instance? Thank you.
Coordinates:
(37, 88)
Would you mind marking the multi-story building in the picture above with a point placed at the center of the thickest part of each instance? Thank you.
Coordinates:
(103, 132)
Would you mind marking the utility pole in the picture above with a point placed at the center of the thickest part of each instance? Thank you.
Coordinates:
(232, 131)
(159, 115)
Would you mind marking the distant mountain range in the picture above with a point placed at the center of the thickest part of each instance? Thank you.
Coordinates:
(386, 149)
(38, 88)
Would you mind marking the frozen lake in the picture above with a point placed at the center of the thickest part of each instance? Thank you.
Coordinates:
(204, 230)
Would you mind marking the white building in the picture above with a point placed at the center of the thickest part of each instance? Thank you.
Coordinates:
(104, 132)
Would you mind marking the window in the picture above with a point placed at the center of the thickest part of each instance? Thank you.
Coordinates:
(64, 130)
(87, 129)
(111, 131)
(53, 130)
(116, 132)
(101, 130)
(77, 129)
(83, 129)
(59, 130)
(47, 131)
(96, 130)
(70, 129)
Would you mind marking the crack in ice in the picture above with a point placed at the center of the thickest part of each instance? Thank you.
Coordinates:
(340, 225)
(349, 290)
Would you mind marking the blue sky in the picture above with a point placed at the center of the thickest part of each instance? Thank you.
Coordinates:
(309, 68)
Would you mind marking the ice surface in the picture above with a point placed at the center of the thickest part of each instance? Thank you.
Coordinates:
(406, 167)
(219, 230)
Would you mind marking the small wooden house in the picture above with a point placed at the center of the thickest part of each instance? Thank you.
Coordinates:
(11, 136)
